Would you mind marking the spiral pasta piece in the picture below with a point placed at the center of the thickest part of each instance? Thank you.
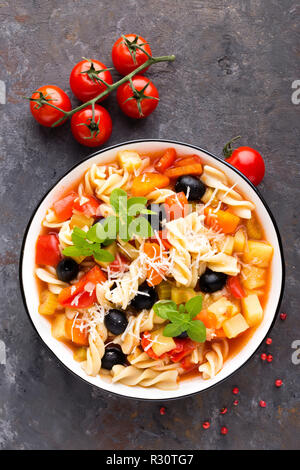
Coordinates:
(141, 360)
(96, 351)
(131, 337)
(48, 275)
(158, 196)
(218, 180)
(214, 358)
(128, 284)
(50, 220)
(131, 376)
(102, 180)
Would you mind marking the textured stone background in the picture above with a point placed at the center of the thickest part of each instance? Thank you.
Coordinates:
(236, 61)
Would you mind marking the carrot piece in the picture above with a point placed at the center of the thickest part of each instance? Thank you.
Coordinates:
(195, 169)
(74, 333)
(176, 205)
(154, 252)
(166, 160)
(147, 182)
(221, 220)
(162, 235)
(220, 333)
(208, 318)
(192, 160)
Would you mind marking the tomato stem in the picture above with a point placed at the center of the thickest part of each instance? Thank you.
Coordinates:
(114, 86)
(227, 149)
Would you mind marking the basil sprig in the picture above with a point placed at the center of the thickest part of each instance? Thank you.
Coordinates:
(88, 244)
(126, 222)
(182, 318)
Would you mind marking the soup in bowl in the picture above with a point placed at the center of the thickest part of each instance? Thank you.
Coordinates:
(152, 269)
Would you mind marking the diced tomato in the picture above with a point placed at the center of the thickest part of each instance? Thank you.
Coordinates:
(235, 287)
(64, 207)
(176, 206)
(89, 208)
(75, 333)
(119, 264)
(208, 318)
(192, 160)
(154, 252)
(187, 364)
(147, 182)
(47, 250)
(221, 220)
(183, 348)
(193, 169)
(166, 160)
(162, 235)
(83, 293)
(145, 341)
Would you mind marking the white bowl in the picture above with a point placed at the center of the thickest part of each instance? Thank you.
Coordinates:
(63, 353)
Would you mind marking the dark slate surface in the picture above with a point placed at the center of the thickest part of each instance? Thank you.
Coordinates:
(236, 61)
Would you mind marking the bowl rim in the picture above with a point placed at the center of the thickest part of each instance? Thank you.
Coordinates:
(192, 146)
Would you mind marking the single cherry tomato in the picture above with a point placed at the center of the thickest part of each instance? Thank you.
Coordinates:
(43, 113)
(88, 131)
(87, 77)
(138, 98)
(127, 53)
(64, 207)
(247, 160)
(89, 208)
(47, 250)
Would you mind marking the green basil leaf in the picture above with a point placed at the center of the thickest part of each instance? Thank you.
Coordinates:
(181, 308)
(194, 305)
(96, 233)
(163, 307)
(173, 329)
(103, 255)
(197, 331)
(136, 209)
(72, 251)
(111, 227)
(116, 197)
(136, 204)
(78, 231)
(140, 227)
(177, 317)
(79, 241)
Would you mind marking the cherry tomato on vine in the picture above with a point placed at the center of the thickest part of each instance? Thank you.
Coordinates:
(86, 79)
(138, 98)
(247, 160)
(90, 131)
(127, 55)
(42, 112)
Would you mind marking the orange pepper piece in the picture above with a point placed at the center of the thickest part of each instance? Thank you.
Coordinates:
(221, 220)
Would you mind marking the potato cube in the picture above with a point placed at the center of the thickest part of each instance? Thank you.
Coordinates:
(235, 325)
(239, 241)
(129, 160)
(258, 253)
(252, 310)
(58, 327)
(161, 344)
(253, 277)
